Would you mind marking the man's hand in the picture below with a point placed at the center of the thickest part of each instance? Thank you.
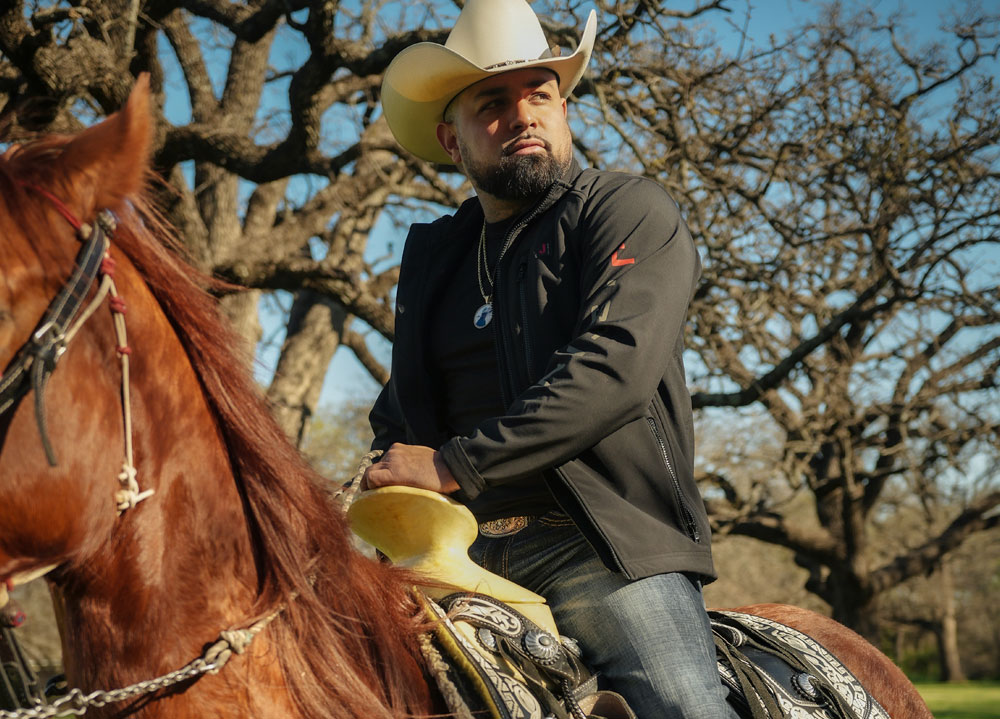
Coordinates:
(411, 466)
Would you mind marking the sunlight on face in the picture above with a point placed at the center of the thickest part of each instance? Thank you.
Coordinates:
(509, 133)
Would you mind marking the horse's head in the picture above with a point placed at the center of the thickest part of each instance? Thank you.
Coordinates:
(54, 514)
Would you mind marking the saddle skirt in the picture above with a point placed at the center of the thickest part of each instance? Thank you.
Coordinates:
(787, 673)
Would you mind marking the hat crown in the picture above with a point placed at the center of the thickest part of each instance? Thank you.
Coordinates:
(490, 33)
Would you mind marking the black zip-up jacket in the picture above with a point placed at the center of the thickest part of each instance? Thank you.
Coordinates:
(590, 303)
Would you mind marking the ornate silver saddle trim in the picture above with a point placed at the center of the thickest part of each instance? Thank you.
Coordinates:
(822, 665)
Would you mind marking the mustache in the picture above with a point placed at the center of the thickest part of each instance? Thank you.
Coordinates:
(511, 146)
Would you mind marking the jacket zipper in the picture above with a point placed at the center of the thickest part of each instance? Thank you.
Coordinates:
(504, 359)
(687, 515)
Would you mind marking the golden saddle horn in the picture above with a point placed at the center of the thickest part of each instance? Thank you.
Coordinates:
(430, 533)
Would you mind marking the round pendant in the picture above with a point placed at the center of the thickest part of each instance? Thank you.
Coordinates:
(483, 316)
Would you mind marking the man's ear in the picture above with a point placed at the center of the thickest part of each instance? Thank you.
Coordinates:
(449, 141)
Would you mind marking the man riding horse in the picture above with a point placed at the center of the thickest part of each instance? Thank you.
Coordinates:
(537, 371)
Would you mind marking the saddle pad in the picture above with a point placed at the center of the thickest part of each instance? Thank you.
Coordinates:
(797, 690)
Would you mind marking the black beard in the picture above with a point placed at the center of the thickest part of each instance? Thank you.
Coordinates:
(517, 177)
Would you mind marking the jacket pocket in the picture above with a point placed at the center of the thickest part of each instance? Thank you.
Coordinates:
(687, 518)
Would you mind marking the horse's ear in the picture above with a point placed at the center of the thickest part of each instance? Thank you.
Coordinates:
(107, 162)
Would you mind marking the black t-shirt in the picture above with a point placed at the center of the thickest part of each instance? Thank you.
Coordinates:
(464, 357)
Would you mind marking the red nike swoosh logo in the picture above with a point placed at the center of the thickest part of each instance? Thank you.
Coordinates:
(616, 262)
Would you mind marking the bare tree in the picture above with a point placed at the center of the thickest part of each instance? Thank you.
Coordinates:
(842, 182)
(276, 90)
(845, 187)
(951, 606)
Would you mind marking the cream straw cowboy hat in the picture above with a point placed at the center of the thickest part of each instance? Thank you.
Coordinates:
(489, 37)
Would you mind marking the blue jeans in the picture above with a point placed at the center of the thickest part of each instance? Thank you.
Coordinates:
(649, 639)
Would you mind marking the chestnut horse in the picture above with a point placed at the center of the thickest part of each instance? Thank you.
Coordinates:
(238, 529)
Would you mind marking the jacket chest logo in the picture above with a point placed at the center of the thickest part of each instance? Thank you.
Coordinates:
(617, 261)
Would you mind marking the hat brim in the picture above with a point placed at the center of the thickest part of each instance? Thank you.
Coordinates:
(424, 78)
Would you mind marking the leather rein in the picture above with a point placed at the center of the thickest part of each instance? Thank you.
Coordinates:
(36, 359)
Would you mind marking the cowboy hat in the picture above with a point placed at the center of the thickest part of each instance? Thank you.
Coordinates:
(489, 37)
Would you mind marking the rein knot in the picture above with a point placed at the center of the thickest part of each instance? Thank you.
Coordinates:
(129, 495)
(231, 641)
(238, 639)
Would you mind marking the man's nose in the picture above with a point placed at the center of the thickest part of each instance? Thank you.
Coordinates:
(524, 115)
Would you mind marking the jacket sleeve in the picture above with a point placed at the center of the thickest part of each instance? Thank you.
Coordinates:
(638, 271)
(386, 419)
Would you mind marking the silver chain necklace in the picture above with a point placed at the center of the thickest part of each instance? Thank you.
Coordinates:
(485, 312)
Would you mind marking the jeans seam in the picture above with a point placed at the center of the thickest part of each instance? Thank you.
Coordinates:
(505, 556)
(556, 522)
(556, 519)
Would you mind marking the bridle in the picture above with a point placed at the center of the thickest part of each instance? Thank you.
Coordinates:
(29, 370)
(36, 359)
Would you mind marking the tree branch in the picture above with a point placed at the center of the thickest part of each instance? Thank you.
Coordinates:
(976, 517)
(356, 342)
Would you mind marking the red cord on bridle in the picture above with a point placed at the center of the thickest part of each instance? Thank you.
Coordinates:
(57, 203)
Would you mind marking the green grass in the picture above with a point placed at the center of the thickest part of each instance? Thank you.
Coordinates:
(971, 700)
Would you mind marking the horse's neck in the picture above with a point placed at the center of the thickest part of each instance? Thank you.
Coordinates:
(179, 566)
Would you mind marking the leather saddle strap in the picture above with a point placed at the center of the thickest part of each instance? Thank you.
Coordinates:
(750, 683)
(834, 700)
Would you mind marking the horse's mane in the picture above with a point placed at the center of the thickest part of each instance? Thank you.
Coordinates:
(347, 638)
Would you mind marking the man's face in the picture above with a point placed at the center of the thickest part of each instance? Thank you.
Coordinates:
(509, 133)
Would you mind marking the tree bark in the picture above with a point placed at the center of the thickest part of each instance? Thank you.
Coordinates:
(951, 658)
(241, 311)
(315, 327)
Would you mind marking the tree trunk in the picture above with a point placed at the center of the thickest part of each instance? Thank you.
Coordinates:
(241, 310)
(315, 326)
(899, 644)
(951, 660)
(851, 605)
